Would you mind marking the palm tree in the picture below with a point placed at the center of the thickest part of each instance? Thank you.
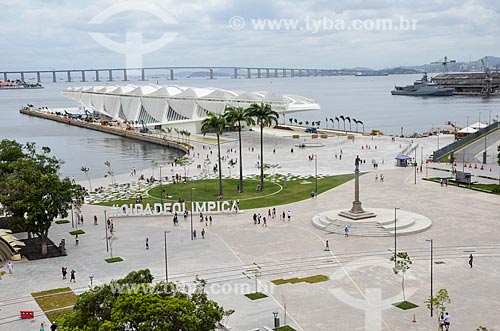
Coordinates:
(361, 122)
(307, 123)
(343, 120)
(355, 121)
(338, 122)
(326, 121)
(216, 122)
(169, 130)
(318, 123)
(290, 120)
(86, 171)
(349, 119)
(295, 120)
(177, 131)
(264, 116)
(234, 116)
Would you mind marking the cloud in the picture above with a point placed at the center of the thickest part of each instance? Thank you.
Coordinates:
(47, 34)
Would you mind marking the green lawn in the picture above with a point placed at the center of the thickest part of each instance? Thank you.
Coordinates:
(285, 328)
(52, 301)
(310, 280)
(62, 222)
(274, 193)
(405, 305)
(488, 188)
(113, 259)
(256, 296)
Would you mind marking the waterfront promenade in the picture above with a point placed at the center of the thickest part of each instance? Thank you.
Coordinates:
(463, 221)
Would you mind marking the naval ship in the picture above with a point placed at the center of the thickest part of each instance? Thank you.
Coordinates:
(423, 87)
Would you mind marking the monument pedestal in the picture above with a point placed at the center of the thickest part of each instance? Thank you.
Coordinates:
(356, 212)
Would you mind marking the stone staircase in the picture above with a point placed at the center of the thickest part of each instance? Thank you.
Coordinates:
(380, 226)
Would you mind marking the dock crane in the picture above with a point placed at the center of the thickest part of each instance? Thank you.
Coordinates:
(445, 63)
(486, 89)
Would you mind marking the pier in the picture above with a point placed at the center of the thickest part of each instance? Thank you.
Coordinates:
(144, 137)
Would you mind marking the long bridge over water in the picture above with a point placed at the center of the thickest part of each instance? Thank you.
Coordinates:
(107, 74)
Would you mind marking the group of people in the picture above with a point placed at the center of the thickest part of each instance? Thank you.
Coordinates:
(72, 277)
(53, 326)
(271, 214)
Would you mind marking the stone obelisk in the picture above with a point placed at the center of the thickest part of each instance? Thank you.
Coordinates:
(356, 212)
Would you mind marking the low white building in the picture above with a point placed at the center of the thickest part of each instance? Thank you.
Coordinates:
(176, 106)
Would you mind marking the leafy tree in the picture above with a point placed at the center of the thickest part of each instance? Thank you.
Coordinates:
(31, 190)
(402, 265)
(343, 120)
(438, 303)
(134, 303)
(264, 116)
(217, 123)
(235, 116)
(184, 161)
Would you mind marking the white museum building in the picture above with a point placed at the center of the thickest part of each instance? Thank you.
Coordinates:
(176, 106)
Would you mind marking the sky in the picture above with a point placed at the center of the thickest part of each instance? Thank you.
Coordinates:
(58, 34)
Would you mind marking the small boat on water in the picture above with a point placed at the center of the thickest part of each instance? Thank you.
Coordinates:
(19, 85)
(423, 87)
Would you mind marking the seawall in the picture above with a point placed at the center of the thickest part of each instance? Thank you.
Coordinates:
(148, 138)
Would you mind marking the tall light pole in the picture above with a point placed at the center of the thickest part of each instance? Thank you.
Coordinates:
(106, 230)
(166, 256)
(395, 229)
(432, 274)
(161, 192)
(316, 172)
(192, 188)
(415, 164)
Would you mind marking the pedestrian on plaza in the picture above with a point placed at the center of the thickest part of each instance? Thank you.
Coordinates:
(441, 322)
(10, 267)
(269, 213)
(283, 216)
(265, 222)
(95, 219)
(206, 220)
(289, 213)
(376, 178)
(77, 240)
(42, 326)
(346, 231)
(447, 321)
(64, 272)
(72, 276)
(203, 233)
(274, 212)
(53, 327)
(109, 223)
(147, 243)
(81, 219)
(254, 218)
(194, 233)
(210, 219)
(471, 259)
(327, 247)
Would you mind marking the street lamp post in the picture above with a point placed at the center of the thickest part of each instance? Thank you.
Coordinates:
(106, 230)
(191, 212)
(415, 165)
(316, 172)
(395, 230)
(72, 217)
(432, 274)
(166, 256)
(161, 192)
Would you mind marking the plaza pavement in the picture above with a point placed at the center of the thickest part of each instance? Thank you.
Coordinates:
(361, 276)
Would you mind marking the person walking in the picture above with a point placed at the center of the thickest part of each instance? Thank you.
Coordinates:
(265, 222)
(95, 219)
(346, 231)
(53, 327)
(10, 267)
(289, 213)
(203, 233)
(72, 277)
(42, 326)
(64, 272)
(77, 240)
(194, 233)
(147, 243)
(471, 259)
(447, 321)
(327, 246)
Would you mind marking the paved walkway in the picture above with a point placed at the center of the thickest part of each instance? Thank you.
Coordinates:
(361, 283)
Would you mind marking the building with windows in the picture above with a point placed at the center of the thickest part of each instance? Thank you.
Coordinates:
(176, 106)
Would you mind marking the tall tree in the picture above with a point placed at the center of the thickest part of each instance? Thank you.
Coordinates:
(343, 120)
(361, 122)
(31, 190)
(338, 122)
(403, 264)
(236, 116)
(439, 302)
(85, 170)
(216, 123)
(347, 118)
(264, 116)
